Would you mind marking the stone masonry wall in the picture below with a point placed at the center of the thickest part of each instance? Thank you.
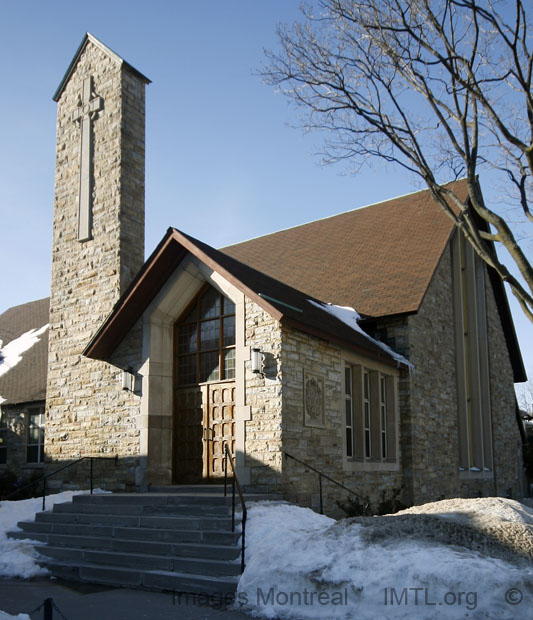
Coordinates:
(264, 396)
(505, 433)
(432, 465)
(88, 413)
(428, 398)
(321, 447)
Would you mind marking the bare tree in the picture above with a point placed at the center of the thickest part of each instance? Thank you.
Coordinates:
(524, 394)
(440, 87)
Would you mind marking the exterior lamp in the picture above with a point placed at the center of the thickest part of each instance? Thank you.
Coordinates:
(257, 362)
(128, 380)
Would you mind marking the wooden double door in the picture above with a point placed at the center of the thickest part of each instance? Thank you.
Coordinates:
(203, 424)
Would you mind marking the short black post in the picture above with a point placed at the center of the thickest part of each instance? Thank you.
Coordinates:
(320, 486)
(44, 492)
(91, 459)
(48, 609)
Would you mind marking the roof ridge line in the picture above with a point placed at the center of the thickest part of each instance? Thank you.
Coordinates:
(329, 217)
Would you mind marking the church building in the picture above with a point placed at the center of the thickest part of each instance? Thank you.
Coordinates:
(374, 345)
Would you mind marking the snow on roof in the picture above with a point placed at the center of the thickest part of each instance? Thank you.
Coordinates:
(351, 317)
(12, 353)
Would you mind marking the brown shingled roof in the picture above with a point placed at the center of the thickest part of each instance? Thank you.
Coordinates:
(378, 259)
(25, 382)
(284, 303)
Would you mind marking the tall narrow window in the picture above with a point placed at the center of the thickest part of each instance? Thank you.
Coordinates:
(370, 416)
(348, 406)
(473, 383)
(383, 415)
(205, 340)
(366, 410)
(35, 436)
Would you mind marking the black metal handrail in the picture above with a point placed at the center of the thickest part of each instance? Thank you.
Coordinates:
(235, 482)
(44, 478)
(320, 476)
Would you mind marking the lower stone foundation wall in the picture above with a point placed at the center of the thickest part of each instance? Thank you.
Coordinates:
(108, 474)
(322, 448)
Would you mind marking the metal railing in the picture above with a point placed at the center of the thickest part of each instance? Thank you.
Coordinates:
(44, 478)
(235, 483)
(320, 476)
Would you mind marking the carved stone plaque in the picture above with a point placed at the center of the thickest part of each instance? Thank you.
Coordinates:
(314, 400)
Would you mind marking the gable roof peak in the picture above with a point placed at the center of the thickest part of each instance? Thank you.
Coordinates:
(89, 38)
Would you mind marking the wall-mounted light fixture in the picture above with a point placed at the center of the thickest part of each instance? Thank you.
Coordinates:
(257, 362)
(128, 380)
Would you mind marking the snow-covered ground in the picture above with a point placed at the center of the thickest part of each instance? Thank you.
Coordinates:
(304, 565)
(17, 557)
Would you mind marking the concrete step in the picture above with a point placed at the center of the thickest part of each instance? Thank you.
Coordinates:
(143, 561)
(200, 510)
(151, 579)
(190, 522)
(186, 549)
(178, 539)
(79, 531)
(189, 498)
(190, 488)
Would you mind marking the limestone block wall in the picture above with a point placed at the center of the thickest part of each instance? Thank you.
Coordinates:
(323, 448)
(432, 467)
(505, 433)
(320, 447)
(87, 410)
(263, 439)
(428, 398)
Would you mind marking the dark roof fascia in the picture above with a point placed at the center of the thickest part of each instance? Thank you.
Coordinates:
(155, 272)
(89, 37)
(360, 344)
(24, 403)
(139, 294)
(158, 268)
(373, 353)
(195, 247)
(509, 331)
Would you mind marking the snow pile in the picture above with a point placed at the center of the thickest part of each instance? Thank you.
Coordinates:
(303, 565)
(11, 354)
(4, 616)
(478, 510)
(351, 317)
(17, 557)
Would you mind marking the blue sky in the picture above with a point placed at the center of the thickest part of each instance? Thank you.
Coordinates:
(222, 162)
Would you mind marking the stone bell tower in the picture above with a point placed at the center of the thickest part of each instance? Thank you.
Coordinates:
(98, 247)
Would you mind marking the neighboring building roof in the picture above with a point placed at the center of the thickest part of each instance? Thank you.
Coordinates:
(26, 381)
(378, 259)
(284, 303)
(118, 59)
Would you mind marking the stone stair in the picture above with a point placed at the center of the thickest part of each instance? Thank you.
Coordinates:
(176, 538)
